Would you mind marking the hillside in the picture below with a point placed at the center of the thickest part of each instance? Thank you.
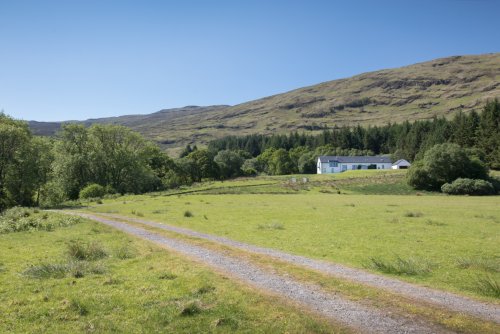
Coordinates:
(440, 87)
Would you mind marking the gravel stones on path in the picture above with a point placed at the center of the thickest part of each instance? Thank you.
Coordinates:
(439, 298)
(334, 307)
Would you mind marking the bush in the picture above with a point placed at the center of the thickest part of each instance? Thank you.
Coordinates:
(463, 186)
(92, 191)
(444, 163)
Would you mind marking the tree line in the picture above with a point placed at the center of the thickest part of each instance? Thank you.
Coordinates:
(408, 140)
(47, 171)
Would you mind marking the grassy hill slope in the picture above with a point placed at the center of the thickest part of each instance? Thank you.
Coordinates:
(440, 87)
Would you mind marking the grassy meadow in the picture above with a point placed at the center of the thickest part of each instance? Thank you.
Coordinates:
(447, 242)
(86, 277)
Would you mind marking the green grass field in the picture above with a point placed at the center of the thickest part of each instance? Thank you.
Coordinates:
(88, 278)
(440, 241)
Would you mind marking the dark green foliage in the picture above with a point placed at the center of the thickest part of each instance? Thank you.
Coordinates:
(92, 191)
(188, 214)
(442, 164)
(229, 163)
(464, 186)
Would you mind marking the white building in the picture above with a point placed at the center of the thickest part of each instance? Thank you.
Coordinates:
(336, 164)
(401, 164)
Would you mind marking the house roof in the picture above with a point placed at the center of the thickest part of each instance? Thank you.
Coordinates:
(356, 159)
(401, 162)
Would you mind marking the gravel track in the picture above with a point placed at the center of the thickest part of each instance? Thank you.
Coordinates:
(444, 299)
(359, 317)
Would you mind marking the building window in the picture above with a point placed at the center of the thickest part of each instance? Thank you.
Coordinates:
(333, 164)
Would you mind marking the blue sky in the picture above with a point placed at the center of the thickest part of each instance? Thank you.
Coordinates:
(62, 60)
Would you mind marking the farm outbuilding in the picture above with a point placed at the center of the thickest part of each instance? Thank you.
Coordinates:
(401, 164)
(337, 164)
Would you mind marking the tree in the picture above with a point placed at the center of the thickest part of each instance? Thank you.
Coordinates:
(229, 163)
(15, 139)
(205, 166)
(445, 163)
(488, 133)
(281, 163)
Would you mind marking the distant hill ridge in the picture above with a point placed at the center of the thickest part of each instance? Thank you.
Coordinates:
(439, 87)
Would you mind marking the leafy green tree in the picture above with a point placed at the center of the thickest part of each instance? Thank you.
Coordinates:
(71, 165)
(307, 163)
(229, 163)
(15, 139)
(281, 163)
(204, 165)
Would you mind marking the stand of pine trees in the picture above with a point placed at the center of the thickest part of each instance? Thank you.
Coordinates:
(409, 140)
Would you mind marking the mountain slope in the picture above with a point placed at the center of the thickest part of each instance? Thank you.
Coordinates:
(440, 87)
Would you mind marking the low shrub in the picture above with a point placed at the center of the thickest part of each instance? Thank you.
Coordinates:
(188, 214)
(463, 186)
(92, 191)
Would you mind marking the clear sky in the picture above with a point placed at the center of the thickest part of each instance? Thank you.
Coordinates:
(62, 60)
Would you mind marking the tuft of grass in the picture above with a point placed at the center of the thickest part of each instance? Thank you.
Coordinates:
(167, 276)
(111, 281)
(485, 264)
(79, 307)
(90, 251)
(273, 226)
(125, 252)
(191, 309)
(434, 223)
(46, 270)
(137, 213)
(400, 266)
(77, 269)
(229, 321)
(488, 286)
(188, 214)
(394, 220)
(205, 289)
(413, 214)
